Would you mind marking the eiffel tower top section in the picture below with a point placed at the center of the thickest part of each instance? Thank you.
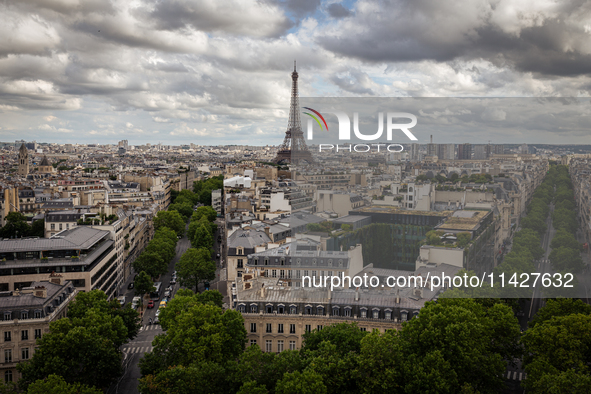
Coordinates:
(294, 149)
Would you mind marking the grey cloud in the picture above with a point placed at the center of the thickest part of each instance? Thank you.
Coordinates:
(555, 43)
(337, 10)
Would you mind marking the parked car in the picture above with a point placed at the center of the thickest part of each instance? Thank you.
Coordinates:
(130, 286)
(169, 288)
(135, 303)
(173, 281)
(150, 304)
(121, 300)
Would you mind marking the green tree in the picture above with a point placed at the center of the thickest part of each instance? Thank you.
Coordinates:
(185, 209)
(202, 237)
(143, 284)
(556, 346)
(297, 382)
(195, 266)
(38, 228)
(564, 238)
(150, 262)
(566, 259)
(15, 226)
(206, 211)
(463, 239)
(55, 384)
(166, 233)
(96, 300)
(170, 219)
(81, 350)
(202, 333)
(559, 307)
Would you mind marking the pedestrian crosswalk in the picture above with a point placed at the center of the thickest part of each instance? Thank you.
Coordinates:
(515, 375)
(151, 327)
(137, 349)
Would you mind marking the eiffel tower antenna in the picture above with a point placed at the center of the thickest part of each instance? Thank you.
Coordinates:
(294, 149)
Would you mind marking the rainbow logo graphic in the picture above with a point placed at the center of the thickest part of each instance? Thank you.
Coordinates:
(315, 118)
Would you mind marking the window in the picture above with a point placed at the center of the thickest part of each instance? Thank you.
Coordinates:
(7, 336)
(363, 329)
(269, 308)
(268, 346)
(37, 333)
(335, 311)
(403, 316)
(388, 315)
(240, 274)
(308, 327)
(320, 310)
(8, 376)
(292, 329)
(269, 329)
(289, 274)
(52, 226)
(298, 274)
(319, 327)
(25, 335)
(7, 355)
(37, 314)
(61, 225)
(24, 315)
(253, 342)
(240, 263)
(279, 346)
(306, 273)
(7, 315)
(282, 274)
(25, 353)
(313, 274)
(364, 313)
(376, 313)
(292, 345)
(274, 273)
(280, 309)
(253, 327)
(253, 309)
(308, 310)
(348, 312)
(280, 328)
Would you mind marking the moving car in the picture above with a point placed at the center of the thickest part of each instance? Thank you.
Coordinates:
(135, 303)
(167, 294)
(121, 300)
(162, 304)
(150, 304)
(130, 286)
(169, 288)
(156, 320)
(157, 313)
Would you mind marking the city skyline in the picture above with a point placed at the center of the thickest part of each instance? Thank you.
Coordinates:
(148, 73)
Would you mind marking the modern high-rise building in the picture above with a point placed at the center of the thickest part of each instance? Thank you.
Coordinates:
(431, 148)
(464, 152)
(446, 151)
(480, 152)
(499, 149)
(414, 154)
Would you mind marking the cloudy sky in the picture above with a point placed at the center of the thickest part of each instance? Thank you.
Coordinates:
(218, 72)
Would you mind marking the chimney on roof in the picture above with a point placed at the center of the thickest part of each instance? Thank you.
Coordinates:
(40, 291)
(263, 291)
(357, 294)
(268, 231)
(55, 278)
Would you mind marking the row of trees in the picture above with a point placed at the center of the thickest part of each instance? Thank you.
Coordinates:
(16, 226)
(196, 265)
(457, 345)
(80, 353)
(158, 253)
(566, 250)
(557, 348)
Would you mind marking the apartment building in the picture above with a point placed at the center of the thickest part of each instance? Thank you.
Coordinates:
(25, 317)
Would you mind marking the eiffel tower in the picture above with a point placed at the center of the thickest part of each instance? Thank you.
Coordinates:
(294, 149)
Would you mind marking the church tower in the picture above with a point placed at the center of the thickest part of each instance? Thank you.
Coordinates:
(23, 161)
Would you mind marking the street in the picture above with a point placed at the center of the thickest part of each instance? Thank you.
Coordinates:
(135, 349)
